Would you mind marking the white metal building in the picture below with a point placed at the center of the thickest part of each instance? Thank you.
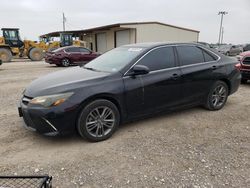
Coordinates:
(102, 39)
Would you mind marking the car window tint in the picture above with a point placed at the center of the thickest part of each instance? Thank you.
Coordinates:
(189, 55)
(84, 50)
(160, 58)
(72, 50)
(208, 57)
(247, 47)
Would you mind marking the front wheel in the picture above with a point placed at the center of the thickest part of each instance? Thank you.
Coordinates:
(36, 54)
(98, 120)
(5, 55)
(65, 62)
(217, 96)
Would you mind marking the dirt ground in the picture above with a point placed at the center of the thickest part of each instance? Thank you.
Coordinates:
(189, 148)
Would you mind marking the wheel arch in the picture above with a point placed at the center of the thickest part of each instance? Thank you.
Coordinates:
(105, 96)
(65, 57)
(228, 84)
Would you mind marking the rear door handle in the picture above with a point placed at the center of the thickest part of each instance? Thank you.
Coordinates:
(175, 76)
(214, 67)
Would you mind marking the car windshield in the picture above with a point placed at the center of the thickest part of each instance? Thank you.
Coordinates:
(114, 60)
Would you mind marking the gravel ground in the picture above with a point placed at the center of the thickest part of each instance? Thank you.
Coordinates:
(189, 148)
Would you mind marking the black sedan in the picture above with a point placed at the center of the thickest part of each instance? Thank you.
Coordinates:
(125, 83)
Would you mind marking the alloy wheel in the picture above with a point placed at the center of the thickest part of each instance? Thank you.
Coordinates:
(100, 121)
(219, 96)
(65, 62)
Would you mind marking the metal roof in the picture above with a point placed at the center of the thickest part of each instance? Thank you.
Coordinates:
(10, 29)
(107, 27)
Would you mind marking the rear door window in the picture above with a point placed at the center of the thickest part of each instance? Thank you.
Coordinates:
(84, 50)
(189, 55)
(208, 57)
(158, 59)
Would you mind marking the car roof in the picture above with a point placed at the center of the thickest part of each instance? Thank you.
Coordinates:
(156, 44)
(66, 47)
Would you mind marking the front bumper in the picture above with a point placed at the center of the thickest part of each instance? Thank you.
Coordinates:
(48, 121)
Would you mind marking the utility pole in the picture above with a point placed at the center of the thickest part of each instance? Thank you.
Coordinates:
(222, 34)
(64, 20)
(222, 13)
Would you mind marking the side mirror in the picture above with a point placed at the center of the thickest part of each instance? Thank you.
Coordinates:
(140, 69)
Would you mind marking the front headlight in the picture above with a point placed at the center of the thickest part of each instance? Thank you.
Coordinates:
(51, 100)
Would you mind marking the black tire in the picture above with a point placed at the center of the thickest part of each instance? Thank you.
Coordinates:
(5, 55)
(243, 81)
(36, 54)
(215, 100)
(111, 117)
(65, 62)
(227, 54)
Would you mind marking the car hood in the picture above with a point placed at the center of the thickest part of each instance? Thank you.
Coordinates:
(63, 81)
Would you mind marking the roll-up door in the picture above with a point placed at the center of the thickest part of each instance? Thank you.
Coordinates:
(101, 42)
(122, 37)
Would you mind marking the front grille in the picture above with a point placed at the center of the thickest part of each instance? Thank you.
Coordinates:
(246, 61)
(26, 100)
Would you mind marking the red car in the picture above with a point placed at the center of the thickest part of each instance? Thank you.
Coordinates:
(244, 66)
(66, 56)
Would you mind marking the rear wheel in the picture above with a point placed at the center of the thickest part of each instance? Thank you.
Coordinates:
(98, 120)
(36, 54)
(65, 62)
(217, 96)
(5, 55)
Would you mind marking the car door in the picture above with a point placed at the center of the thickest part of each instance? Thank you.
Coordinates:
(199, 70)
(85, 55)
(158, 89)
(74, 54)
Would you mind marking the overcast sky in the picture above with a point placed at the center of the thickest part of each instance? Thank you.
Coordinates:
(36, 17)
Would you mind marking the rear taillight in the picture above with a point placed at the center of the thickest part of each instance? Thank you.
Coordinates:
(238, 66)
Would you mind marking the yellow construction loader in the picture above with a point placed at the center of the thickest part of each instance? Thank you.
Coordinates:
(66, 39)
(11, 45)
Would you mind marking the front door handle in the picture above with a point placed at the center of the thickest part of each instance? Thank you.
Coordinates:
(175, 76)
